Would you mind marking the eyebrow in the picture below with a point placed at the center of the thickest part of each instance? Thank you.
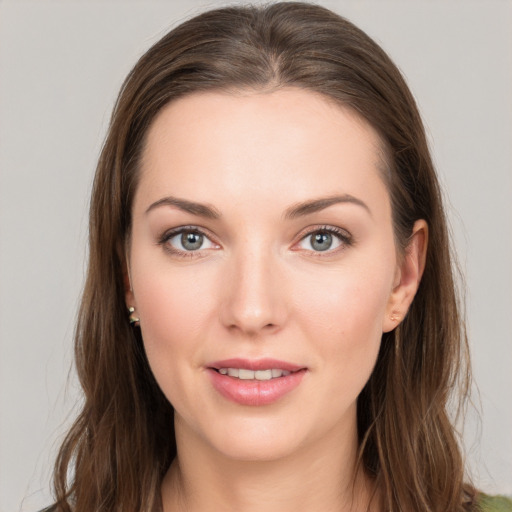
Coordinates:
(297, 210)
(199, 209)
(316, 205)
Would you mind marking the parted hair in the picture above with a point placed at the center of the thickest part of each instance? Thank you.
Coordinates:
(115, 455)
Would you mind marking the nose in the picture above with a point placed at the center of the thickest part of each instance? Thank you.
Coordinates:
(254, 293)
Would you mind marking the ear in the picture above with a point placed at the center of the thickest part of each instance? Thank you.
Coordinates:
(128, 291)
(408, 276)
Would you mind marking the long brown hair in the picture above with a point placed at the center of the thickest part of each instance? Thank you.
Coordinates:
(122, 443)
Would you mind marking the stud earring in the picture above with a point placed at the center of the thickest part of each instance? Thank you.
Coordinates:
(134, 319)
(395, 317)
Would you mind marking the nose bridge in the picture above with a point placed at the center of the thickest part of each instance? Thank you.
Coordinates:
(253, 299)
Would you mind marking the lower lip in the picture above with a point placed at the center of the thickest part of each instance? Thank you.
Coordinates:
(255, 392)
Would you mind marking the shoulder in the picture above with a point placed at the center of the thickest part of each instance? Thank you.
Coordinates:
(488, 503)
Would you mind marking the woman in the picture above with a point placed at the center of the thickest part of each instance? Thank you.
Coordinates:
(266, 210)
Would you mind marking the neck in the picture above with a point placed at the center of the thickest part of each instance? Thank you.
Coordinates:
(316, 478)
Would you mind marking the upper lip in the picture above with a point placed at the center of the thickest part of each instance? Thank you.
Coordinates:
(255, 364)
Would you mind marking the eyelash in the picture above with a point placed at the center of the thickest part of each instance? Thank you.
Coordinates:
(168, 235)
(343, 236)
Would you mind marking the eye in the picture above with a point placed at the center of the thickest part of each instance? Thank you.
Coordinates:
(186, 240)
(325, 239)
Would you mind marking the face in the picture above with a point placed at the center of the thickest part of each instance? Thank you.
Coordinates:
(263, 268)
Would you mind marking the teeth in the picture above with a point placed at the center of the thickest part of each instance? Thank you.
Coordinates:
(263, 374)
(244, 374)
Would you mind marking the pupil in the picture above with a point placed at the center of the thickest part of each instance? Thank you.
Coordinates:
(322, 241)
(191, 241)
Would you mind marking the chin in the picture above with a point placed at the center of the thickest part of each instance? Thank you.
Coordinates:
(259, 450)
(253, 440)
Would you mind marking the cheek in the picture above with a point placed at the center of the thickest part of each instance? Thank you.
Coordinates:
(343, 313)
(177, 299)
(175, 308)
(345, 300)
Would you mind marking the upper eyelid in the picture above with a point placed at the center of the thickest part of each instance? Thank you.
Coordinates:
(180, 229)
(325, 227)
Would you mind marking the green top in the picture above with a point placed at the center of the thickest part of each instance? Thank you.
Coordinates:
(495, 503)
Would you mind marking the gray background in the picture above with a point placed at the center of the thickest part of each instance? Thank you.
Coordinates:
(61, 65)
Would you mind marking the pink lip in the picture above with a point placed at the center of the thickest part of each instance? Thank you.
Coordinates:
(255, 364)
(255, 392)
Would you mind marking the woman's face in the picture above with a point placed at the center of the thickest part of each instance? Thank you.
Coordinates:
(263, 268)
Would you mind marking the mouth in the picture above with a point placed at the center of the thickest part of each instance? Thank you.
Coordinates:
(245, 374)
(255, 382)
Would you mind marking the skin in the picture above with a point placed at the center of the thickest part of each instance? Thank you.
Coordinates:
(258, 288)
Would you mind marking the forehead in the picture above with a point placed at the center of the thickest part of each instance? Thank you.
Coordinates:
(230, 144)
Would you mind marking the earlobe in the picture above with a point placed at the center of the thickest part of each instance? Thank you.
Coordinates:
(129, 297)
(408, 276)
